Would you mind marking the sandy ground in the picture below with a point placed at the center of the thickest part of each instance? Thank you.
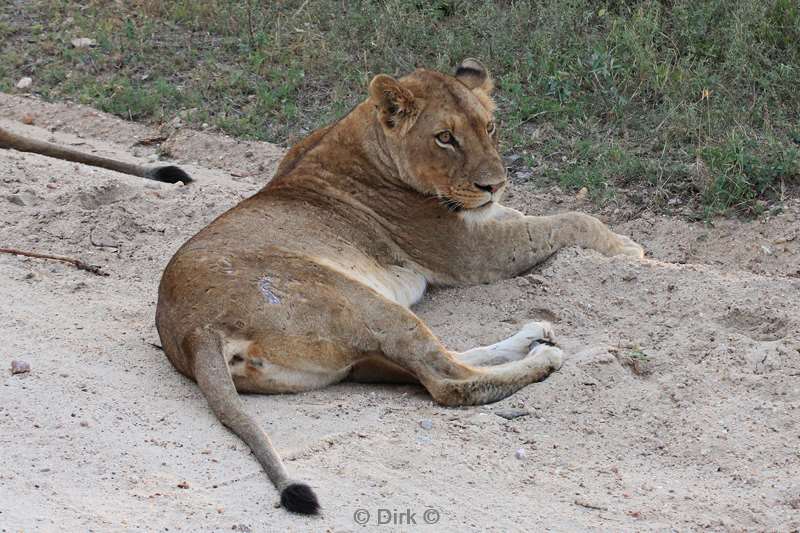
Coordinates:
(677, 407)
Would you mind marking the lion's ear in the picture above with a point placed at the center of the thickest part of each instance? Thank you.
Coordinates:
(474, 75)
(396, 105)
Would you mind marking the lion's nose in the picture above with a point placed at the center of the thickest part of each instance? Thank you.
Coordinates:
(491, 188)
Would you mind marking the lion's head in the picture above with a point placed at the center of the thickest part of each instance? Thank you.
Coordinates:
(440, 133)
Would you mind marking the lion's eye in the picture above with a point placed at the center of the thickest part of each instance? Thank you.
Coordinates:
(444, 137)
(490, 129)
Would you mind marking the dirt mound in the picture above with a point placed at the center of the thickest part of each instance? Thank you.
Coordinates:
(677, 406)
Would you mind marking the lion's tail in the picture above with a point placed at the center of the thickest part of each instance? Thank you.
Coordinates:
(167, 174)
(214, 379)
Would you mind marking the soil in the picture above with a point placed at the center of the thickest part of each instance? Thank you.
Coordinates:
(677, 406)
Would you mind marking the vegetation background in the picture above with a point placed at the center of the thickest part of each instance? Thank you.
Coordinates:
(682, 104)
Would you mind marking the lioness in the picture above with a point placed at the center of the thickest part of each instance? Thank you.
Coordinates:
(309, 281)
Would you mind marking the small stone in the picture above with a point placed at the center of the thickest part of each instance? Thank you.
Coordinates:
(24, 83)
(15, 199)
(582, 194)
(478, 419)
(22, 199)
(28, 119)
(520, 454)
(20, 367)
(784, 240)
(83, 42)
(511, 414)
(183, 485)
(84, 424)
(426, 424)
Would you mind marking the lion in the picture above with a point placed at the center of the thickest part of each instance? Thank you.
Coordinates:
(310, 281)
(165, 174)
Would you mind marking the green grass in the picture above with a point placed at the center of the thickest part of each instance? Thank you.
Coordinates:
(744, 171)
(684, 99)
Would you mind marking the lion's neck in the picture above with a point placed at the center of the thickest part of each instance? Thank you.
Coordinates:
(344, 162)
(365, 146)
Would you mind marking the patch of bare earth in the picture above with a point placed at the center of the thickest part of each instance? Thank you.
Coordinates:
(677, 406)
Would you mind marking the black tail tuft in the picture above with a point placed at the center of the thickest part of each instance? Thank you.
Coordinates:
(169, 174)
(299, 498)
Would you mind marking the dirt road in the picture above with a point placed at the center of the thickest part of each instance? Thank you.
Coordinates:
(677, 407)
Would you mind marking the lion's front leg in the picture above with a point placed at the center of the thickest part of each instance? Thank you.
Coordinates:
(503, 243)
(579, 229)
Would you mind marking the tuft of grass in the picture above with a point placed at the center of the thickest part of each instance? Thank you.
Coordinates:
(635, 359)
(608, 95)
(745, 170)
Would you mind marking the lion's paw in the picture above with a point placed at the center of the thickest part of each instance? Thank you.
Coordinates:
(537, 332)
(548, 355)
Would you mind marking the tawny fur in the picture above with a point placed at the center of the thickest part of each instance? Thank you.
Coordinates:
(309, 281)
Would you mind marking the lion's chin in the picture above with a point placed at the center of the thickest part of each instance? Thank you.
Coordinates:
(485, 205)
(481, 213)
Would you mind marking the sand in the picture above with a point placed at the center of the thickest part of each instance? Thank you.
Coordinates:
(677, 406)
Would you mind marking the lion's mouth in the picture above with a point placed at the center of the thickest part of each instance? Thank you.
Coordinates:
(456, 206)
(452, 205)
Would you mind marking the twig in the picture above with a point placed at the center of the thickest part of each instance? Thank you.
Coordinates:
(237, 479)
(531, 117)
(302, 6)
(77, 263)
(149, 141)
(101, 244)
(588, 505)
(251, 35)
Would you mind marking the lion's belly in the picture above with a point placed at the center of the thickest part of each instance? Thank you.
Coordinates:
(401, 285)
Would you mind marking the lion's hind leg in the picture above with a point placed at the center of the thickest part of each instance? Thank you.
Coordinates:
(493, 383)
(408, 343)
(514, 348)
